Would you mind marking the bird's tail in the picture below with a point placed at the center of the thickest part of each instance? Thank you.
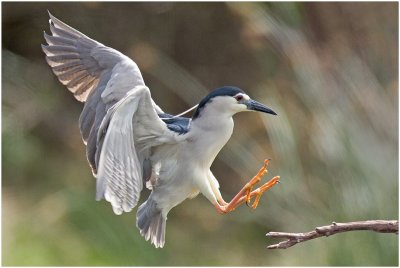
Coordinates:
(151, 223)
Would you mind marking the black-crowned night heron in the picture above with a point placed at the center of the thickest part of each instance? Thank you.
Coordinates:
(130, 141)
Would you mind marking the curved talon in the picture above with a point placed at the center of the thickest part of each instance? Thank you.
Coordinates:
(266, 162)
(258, 194)
(248, 197)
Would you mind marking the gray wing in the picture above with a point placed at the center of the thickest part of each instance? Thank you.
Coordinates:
(124, 147)
(103, 78)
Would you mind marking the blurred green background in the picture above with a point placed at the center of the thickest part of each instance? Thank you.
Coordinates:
(330, 70)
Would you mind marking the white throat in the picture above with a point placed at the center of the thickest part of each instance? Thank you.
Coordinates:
(209, 133)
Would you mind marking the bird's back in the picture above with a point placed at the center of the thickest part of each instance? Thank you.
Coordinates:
(179, 124)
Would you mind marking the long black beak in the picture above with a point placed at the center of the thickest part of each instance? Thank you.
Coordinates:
(256, 106)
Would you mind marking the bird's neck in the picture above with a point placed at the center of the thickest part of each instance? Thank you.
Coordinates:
(209, 133)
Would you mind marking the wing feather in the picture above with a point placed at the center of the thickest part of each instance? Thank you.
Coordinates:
(53, 50)
(57, 40)
(119, 177)
(115, 97)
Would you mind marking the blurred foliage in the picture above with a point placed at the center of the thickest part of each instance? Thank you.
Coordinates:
(330, 70)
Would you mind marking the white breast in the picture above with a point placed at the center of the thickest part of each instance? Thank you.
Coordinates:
(207, 136)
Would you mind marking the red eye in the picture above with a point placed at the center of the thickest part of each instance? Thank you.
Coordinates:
(239, 97)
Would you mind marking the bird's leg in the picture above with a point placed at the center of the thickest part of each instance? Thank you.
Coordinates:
(246, 193)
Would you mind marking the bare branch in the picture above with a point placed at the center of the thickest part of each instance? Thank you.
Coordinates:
(380, 226)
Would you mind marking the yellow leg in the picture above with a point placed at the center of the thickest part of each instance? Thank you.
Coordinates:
(246, 193)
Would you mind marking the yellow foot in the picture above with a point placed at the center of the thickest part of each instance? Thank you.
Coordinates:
(256, 179)
(259, 191)
(246, 193)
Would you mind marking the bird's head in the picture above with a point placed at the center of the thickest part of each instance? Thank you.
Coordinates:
(228, 100)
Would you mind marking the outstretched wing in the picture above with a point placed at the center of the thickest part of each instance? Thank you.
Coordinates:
(115, 96)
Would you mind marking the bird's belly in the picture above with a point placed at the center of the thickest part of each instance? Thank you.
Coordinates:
(174, 185)
(183, 172)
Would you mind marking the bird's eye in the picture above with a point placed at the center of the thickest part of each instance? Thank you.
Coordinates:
(239, 97)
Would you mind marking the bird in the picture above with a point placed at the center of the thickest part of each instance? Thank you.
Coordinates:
(131, 143)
